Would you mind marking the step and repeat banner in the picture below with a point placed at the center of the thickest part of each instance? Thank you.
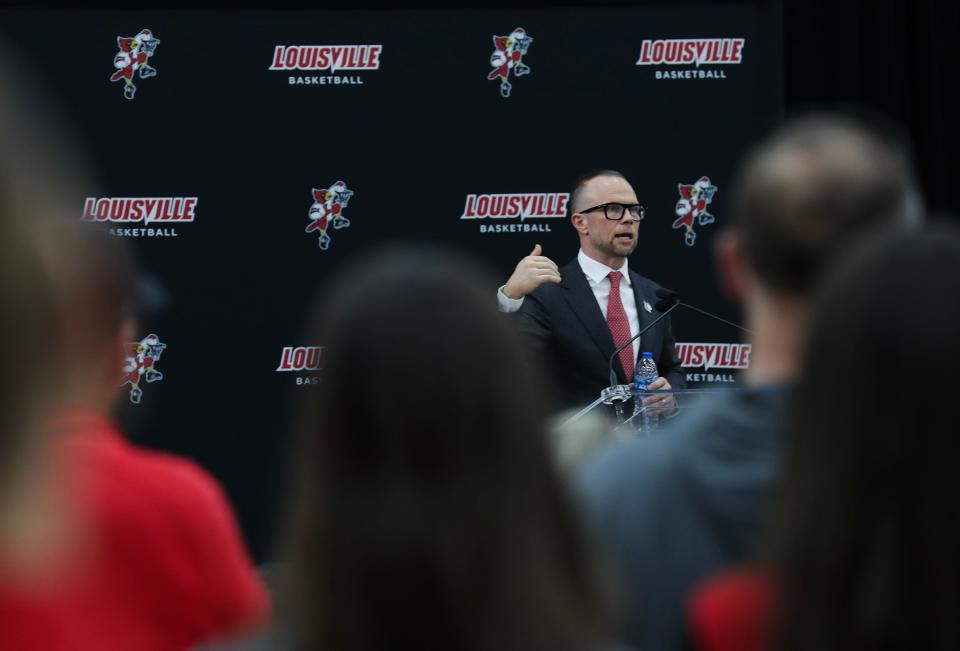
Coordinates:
(247, 155)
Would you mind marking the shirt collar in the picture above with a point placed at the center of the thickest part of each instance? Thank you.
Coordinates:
(597, 271)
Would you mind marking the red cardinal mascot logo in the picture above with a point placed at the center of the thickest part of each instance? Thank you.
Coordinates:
(134, 53)
(327, 209)
(692, 206)
(507, 56)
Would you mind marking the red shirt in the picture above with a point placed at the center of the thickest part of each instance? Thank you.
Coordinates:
(733, 612)
(168, 570)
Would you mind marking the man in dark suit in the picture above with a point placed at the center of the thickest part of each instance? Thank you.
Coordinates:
(579, 315)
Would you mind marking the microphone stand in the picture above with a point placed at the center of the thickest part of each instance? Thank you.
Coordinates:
(714, 316)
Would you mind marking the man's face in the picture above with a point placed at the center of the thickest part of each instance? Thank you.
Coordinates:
(608, 238)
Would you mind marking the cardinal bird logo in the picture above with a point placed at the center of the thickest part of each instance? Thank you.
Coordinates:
(141, 365)
(327, 209)
(134, 52)
(508, 56)
(692, 207)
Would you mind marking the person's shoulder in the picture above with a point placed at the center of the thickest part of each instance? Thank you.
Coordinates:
(635, 467)
(625, 489)
(180, 500)
(656, 450)
(98, 446)
(177, 481)
(653, 462)
(546, 292)
(646, 285)
(745, 417)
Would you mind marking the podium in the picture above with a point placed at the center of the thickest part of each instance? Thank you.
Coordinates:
(614, 417)
(616, 405)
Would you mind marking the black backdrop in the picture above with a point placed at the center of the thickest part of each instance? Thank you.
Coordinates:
(891, 57)
(411, 141)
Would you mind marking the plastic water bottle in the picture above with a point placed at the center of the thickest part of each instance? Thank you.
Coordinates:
(646, 373)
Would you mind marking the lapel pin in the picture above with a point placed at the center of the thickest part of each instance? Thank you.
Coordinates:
(647, 306)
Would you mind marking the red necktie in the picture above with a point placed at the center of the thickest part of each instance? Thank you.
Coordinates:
(619, 324)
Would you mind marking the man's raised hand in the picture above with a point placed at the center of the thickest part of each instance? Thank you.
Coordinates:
(531, 272)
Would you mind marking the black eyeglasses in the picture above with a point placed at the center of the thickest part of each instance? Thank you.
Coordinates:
(615, 211)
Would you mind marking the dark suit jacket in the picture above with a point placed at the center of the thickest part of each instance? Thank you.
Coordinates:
(565, 325)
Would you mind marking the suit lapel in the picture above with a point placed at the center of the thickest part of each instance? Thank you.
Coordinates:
(582, 301)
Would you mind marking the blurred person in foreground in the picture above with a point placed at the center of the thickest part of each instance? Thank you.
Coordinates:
(40, 540)
(39, 175)
(102, 545)
(167, 567)
(34, 526)
(676, 507)
(430, 516)
(864, 543)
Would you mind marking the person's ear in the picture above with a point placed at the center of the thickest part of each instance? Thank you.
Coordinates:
(731, 265)
(579, 221)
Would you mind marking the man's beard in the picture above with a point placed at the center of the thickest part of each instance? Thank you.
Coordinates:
(613, 249)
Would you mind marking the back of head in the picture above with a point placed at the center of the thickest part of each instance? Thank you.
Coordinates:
(866, 535)
(811, 188)
(27, 324)
(39, 176)
(432, 516)
(96, 285)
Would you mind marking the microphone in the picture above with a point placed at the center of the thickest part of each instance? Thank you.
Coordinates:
(665, 294)
(667, 297)
(668, 303)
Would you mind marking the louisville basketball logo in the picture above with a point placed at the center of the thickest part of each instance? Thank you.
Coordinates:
(327, 210)
(692, 207)
(303, 362)
(141, 365)
(508, 56)
(135, 52)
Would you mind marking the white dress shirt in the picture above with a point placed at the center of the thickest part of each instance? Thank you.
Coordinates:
(597, 275)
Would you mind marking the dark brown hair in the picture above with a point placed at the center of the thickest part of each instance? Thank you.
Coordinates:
(432, 518)
(865, 536)
(95, 276)
(39, 174)
(27, 324)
